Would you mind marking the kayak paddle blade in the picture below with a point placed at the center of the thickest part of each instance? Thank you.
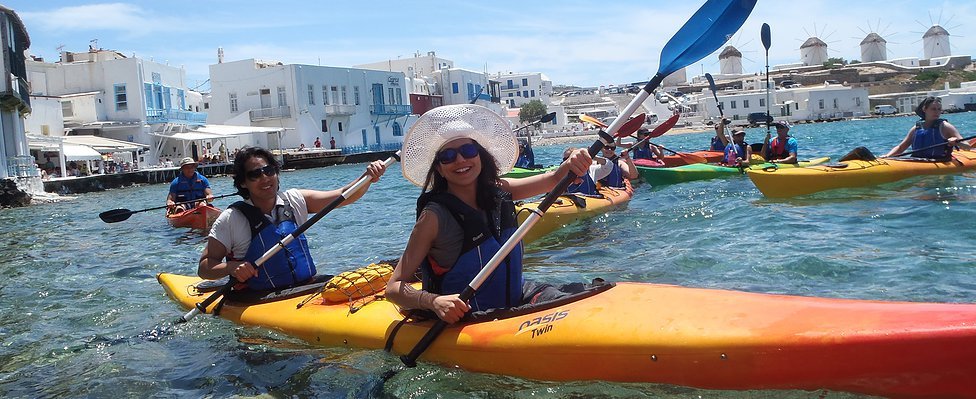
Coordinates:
(115, 215)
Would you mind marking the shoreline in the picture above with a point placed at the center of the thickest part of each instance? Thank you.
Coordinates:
(547, 141)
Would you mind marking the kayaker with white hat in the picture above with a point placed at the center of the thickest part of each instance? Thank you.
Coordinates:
(189, 185)
(783, 148)
(465, 213)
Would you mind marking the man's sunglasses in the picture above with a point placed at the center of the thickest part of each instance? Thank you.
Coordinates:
(449, 155)
(267, 170)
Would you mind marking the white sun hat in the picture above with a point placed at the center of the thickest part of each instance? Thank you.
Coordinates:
(444, 124)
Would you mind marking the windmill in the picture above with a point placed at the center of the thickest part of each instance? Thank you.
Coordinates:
(813, 51)
(730, 61)
(935, 40)
(874, 47)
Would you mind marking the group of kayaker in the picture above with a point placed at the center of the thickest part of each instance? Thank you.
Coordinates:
(456, 154)
(781, 149)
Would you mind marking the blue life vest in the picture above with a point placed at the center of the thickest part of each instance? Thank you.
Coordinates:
(643, 152)
(526, 159)
(290, 266)
(189, 189)
(616, 176)
(730, 156)
(585, 187)
(717, 144)
(930, 137)
(503, 289)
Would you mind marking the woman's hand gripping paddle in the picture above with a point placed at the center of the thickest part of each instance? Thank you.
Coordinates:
(118, 215)
(711, 26)
(202, 306)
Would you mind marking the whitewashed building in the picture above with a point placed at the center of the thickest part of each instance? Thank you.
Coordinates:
(20, 174)
(362, 109)
(518, 88)
(736, 104)
(730, 61)
(821, 102)
(103, 93)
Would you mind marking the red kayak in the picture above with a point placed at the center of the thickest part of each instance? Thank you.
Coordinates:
(671, 161)
(201, 217)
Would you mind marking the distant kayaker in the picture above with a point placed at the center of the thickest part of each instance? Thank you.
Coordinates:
(189, 185)
(644, 150)
(456, 154)
(526, 158)
(781, 149)
(739, 152)
(586, 184)
(247, 229)
(930, 131)
(621, 168)
(719, 141)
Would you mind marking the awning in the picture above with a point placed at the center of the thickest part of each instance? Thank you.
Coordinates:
(78, 152)
(219, 132)
(103, 144)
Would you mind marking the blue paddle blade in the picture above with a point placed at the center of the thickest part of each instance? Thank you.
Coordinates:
(711, 82)
(764, 34)
(711, 26)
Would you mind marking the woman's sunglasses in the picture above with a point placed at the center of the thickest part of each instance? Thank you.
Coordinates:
(449, 155)
(267, 170)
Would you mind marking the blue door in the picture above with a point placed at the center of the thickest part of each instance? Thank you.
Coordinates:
(378, 96)
(376, 129)
(365, 143)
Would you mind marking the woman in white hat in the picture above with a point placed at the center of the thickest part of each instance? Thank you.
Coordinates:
(456, 154)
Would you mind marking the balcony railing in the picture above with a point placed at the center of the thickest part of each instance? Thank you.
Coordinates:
(389, 109)
(340, 110)
(22, 166)
(261, 114)
(154, 116)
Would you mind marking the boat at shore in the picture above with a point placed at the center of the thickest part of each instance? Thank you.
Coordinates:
(641, 332)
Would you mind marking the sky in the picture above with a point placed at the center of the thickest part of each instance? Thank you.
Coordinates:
(573, 42)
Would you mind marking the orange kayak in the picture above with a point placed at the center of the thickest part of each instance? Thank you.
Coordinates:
(639, 332)
(201, 217)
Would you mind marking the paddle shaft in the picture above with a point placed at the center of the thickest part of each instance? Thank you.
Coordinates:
(721, 114)
(410, 359)
(202, 306)
(931, 147)
(766, 37)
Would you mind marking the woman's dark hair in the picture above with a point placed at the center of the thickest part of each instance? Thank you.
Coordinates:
(239, 172)
(920, 109)
(487, 183)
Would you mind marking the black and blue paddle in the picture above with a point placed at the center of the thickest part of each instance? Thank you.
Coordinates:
(710, 27)
(120, 214)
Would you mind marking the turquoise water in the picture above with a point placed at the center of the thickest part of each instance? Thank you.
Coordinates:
(83, 316)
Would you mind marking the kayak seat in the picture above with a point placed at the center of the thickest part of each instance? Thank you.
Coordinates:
(539, 296)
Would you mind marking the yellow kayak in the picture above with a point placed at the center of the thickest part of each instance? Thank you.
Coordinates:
(567, 210)
(783, 183)
(638, 332)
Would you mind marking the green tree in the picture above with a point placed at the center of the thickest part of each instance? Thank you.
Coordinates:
(532, 111)
(835, 62)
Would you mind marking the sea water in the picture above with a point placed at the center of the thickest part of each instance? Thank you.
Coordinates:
(83, 316)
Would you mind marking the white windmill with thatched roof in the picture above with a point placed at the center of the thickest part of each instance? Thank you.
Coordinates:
(730, 61)
(935, 42)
